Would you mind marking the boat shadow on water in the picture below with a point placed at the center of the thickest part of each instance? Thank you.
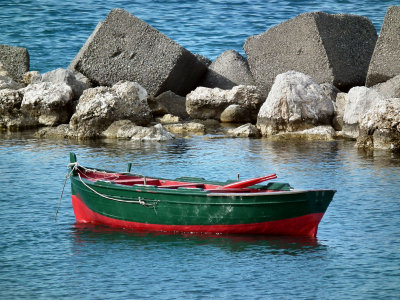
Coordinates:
(88, 234)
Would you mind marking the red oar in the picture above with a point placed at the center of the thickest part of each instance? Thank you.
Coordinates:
(248, 182)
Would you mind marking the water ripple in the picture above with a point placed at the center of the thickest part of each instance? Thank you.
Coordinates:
(355, 255)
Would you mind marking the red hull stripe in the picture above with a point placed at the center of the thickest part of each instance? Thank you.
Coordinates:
(299, 226)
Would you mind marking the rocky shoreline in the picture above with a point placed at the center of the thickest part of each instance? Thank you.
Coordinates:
(316, 76)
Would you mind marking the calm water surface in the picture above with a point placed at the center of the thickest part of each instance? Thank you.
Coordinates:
(356, 254)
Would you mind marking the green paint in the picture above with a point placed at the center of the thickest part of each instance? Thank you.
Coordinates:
(196, 206)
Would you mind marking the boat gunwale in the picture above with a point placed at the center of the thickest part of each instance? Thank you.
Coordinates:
(189, 191)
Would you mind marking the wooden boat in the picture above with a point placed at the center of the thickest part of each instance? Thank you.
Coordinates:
(190, 204)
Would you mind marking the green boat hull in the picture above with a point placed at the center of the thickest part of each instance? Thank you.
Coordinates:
(143, 207)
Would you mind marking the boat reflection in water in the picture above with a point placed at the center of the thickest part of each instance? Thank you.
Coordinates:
(84, 234)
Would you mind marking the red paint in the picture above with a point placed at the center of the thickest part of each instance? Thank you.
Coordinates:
(249, 182)
(299, 226)
(235, 187)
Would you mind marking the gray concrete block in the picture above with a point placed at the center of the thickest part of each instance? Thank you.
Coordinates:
(228, 70)
(385, 61)
(15, 61)
(79, 56)
(126, 48)
(330, 48)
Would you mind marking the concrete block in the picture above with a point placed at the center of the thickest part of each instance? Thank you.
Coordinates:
(228, 70)
(15, 61)
(385, 61)
(330, 48)
(126, 48)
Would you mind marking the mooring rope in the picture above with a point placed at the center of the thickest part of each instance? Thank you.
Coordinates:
(73, 167)
(139, 201)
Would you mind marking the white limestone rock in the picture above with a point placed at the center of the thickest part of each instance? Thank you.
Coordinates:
(207, 103)
(295, 102)
(99, 107)
(380, 126)
(7, 82)
(339, 105)
(67, 77)
(235, 113)
(32, 77)
(320, 133)
(49, 103)
(168, 119)
(358, 101)
(11, 116)
(246, 130)
(186, 128)
(125, 129)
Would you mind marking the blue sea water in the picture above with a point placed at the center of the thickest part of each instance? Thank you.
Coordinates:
(53, 31)
(357, 251)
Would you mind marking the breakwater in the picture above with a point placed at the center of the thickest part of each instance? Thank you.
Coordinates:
(315, 52)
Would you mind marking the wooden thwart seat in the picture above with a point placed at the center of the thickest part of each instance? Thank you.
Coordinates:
(133, 181)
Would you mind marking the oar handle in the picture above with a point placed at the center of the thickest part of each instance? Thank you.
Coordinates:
(249, 182)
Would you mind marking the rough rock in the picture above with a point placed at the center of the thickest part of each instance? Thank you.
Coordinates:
(60, 131)
(330, 90)
(67, 77)
(319, 133)
(168, 119)
(386, 56)
(99, 107)
(235, 113)
(168, 103)
(329, 48)
(134, 93)
(94, 112)
(48, 103)
(206, 103)
(390, 88)
(15, 60)
(246, 130)
(125, 129)
(126, 48)
(186, 128)
(82, 78)
(31, 77)
(340, 106)
(11, 116)
(358, 101)
(228, 70)
(8, 83)
(157, 108)
(10, 102)
(380, 126)
(295, 102)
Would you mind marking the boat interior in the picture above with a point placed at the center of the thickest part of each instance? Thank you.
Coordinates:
(245, 186)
